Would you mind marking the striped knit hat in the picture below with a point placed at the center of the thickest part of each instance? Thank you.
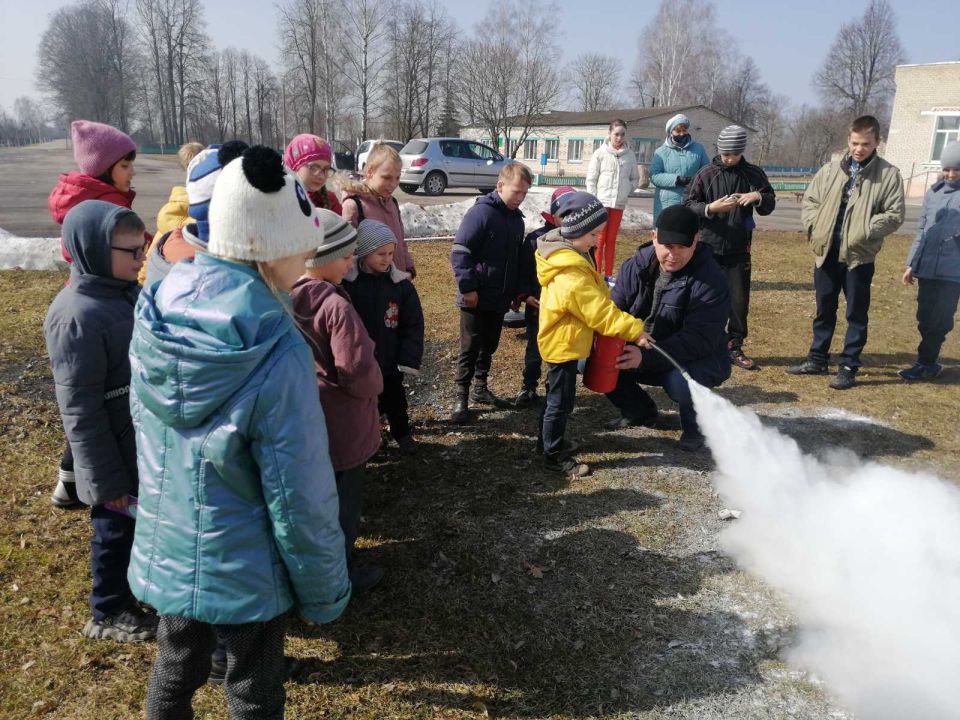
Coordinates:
(732, 140)
(372, 234)
(202, 173)
(339, 239)
(579, 213)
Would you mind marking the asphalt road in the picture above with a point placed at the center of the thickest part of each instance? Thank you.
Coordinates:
(27, 175)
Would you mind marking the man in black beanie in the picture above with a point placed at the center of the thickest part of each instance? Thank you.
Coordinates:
(676, 287)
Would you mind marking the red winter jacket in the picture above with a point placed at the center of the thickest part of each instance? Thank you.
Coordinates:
(76, 187)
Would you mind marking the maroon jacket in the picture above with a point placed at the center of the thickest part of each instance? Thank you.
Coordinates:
(348, 374)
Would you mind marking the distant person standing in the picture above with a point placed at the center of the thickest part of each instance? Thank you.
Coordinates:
(934, 261)
(674, 164)
(611, 176)
(852, 204)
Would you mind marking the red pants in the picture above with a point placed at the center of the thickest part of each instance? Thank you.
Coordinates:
(607, 245)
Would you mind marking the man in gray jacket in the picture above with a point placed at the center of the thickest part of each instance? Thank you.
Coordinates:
(850, 207)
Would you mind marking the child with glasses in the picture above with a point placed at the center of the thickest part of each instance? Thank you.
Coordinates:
(311, 158)
(87, 332)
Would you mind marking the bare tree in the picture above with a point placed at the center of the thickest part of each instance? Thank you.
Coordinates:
(670, 47)
(363, 52)
(858, 71)
(595, 80)
(77, 69)
(510, 85)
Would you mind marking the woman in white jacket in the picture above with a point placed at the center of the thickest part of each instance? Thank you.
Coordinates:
(612, 175)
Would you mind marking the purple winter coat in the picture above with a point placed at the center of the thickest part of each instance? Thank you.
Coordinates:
(348, 375)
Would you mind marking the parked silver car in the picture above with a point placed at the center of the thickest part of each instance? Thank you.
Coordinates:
(364, 149)
(438, 163)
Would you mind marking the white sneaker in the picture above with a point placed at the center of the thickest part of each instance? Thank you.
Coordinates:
(65, 493)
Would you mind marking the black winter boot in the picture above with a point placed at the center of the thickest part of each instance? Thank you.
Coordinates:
(461, 409)
(482, 394)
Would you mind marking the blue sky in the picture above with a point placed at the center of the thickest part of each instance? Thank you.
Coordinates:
(787, 40)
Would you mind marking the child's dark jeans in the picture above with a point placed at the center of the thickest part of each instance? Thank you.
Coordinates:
(936, 305)
(561, 395)
(393, 403)
(109, 557)
(531, 356)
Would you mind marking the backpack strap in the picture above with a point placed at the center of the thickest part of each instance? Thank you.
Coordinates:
(356, 199)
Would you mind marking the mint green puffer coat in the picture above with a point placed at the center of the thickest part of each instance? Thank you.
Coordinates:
(238, 507)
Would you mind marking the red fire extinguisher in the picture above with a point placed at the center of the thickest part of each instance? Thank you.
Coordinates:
(601, 372)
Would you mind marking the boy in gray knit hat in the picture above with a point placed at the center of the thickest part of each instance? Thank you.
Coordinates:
(390, 309)
(725, 194)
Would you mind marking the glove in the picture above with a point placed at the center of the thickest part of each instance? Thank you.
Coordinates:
(683, 180)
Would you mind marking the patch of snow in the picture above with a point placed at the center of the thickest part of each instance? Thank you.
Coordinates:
(29, 253)
(443, 220)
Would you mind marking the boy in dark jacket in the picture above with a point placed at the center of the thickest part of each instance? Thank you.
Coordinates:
(530, 295)
(485, 259)
(676, 287)
(87, 332)
(724, 194)
(390, 309)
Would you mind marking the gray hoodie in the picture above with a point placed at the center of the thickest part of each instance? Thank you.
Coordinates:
(87, 331)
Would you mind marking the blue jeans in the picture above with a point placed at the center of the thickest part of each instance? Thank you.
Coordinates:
(635, 404)
(828, 281)
(109, 557)
(561, 395)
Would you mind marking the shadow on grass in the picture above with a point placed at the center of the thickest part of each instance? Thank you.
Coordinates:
(871, 361)
(816, 435)
(761, 285)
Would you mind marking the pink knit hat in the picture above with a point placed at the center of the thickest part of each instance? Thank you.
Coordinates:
(97, 147)
(305, 148)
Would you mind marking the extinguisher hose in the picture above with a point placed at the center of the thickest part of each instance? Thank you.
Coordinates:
(669, 357)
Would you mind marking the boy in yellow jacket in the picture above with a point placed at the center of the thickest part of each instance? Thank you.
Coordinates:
(574, 303)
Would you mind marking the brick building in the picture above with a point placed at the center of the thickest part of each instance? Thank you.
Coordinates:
(926, 115)
(569, 138)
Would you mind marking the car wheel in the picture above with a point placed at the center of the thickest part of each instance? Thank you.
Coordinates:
(435, 183)
(409, 189)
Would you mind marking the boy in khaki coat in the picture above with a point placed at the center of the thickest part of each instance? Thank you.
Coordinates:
(850, 207)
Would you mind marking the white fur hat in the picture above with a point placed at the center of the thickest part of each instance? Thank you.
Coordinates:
(260, 211)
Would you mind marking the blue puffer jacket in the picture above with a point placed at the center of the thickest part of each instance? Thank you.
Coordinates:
(935, 253)
(670, 162)
(238, 507)
(691, 315)
(486, 253)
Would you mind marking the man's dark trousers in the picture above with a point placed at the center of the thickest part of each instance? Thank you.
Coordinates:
(634, 403)
(479, 339)
(828, 281)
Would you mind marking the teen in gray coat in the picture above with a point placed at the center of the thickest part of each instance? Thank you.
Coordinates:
(87, 331)
(934, 260)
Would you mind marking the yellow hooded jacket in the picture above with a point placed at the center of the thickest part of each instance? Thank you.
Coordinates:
(574, 303)
(175, 213)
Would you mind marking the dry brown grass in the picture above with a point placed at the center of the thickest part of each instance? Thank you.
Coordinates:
(510, 593)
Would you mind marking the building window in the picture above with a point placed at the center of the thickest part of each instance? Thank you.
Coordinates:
(574, 150)
(597, 144)
(644, 148)
(948, 130)
(530, 149)
(552, 148)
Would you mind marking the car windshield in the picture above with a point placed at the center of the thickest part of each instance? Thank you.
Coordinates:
(398, 146)
(414, 147)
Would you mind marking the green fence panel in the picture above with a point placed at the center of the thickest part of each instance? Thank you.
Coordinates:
(559, 180)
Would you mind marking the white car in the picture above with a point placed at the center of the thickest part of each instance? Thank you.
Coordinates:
(364, 150)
